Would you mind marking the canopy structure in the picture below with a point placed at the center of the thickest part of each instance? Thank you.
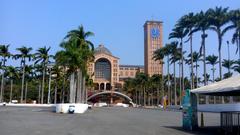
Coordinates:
(226, 87)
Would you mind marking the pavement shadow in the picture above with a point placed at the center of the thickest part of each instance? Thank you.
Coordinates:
(210, 130)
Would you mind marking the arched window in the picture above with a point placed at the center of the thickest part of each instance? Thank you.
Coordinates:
(103, 69)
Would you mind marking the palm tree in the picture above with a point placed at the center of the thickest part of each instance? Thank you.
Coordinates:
(176, 56)
(212, 60)
(218, 18)
(235, 19)
(188, 22)
(29, 76)
(78, 52)
(168, 51)
(142, 79)
(130, 86)
(236, 67)
(42, 56)
(229, 65)
(196, 58)
(158, 56)
(202, 25)
(38, 75)
(179, 33)
(5, 54)
(24, 54)
(12, 74)
(156, 79)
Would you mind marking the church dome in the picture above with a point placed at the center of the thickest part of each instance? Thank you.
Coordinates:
(102, 49)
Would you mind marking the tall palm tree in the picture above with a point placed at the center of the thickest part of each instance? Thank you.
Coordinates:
(228, 64)
(188, 22)
(175, 56)
(203, 25)
(24, 55)
(78, 46)
(12, 74)
(158, 55)
(218, 18)
(179, 33)
(29, 76)
(42, 56)
(168, 51)
(4, 53)
(212, 60)
(235, 19)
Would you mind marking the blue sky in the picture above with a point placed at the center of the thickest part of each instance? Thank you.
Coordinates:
(116, 24)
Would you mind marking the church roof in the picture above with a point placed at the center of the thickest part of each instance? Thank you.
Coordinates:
(102, 49)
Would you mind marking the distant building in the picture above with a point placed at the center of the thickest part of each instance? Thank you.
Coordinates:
(153, 36)
(106, 72)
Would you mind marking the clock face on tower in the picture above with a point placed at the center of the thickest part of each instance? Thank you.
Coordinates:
(155, 33)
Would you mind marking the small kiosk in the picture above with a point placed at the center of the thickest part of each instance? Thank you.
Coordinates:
(230, 112)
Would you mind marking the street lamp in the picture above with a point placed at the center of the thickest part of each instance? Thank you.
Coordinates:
(49, 66)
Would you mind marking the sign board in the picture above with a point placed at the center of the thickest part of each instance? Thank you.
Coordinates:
(189, 117)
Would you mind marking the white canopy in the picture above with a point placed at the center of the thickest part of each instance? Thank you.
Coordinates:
(230, 86)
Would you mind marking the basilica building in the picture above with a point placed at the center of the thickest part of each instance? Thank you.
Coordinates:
(107, 73)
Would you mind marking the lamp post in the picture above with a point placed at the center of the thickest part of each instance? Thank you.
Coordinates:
(49, 66)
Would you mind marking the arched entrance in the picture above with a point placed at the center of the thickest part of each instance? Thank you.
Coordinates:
(108, 86)
(102, 86)
(110, 94)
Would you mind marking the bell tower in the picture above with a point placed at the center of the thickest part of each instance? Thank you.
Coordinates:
(152, 41)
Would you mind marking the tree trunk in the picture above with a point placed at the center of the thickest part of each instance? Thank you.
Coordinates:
(168, 84)
(39, 92)
(63, 91)
(136, 96)
(140, 97)
(192, 76)
(175, 84)
(79, 85)
(220, 56)
(23, 81)
(162, 85)
(204, 61)
(148, 97)
(11, 91)
(196, 74)
(26, 90)
(2, 83)
(43, 83)
(144, 97)
(238, 43)
(72, 90)
(84, 90)
(182, 63)
(152, 100)
(49, 87)
(158, 91)
(55, 94)
(213, 74)
(180, 83)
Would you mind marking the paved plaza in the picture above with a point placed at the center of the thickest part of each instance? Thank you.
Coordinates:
(98, 121)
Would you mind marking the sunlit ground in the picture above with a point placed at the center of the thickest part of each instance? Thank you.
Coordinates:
(98, 121)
